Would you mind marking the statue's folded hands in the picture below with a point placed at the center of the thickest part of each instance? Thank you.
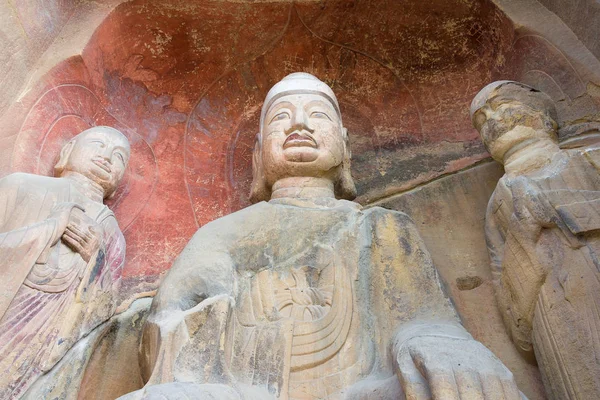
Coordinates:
(82, 234)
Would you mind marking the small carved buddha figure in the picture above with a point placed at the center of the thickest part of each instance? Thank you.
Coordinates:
(61, 255)
(543, 237)
(304, 295)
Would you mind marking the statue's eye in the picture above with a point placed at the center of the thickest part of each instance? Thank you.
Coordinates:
(281, 116)
(320, 115)
(479, 119)
(98, 143)
(120, 157)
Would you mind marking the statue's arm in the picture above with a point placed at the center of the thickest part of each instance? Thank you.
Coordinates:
(16, 204)
(114, 246)
(411, 286)
(201, 275)
(202, 270)
(520, 214)
(20, 250)
(433, 355)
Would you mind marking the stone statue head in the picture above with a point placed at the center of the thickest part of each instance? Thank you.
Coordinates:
(301, 135)
(100, 154)
(508, 113)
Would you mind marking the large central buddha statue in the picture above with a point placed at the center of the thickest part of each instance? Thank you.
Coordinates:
(305, 295)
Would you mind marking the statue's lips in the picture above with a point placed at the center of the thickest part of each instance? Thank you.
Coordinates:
(102, 164)
(298, 140)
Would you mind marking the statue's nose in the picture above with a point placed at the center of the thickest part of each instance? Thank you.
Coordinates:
(107, 154)
(300, 120)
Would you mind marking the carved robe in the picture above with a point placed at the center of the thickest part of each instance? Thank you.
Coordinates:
(543, 235)
(50, 297)
(293, 299)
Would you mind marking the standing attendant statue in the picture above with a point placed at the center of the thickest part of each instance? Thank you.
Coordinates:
(543, 236)
(61, 256)
(305, 295)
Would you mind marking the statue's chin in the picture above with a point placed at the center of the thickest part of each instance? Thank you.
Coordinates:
(301, 154)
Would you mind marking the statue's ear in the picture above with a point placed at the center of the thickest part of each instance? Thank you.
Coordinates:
(65, 153)
(347, 151)
(344, 186)
(258, 190)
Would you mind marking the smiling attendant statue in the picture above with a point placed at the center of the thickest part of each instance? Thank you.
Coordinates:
(61, 256)
(304, 295)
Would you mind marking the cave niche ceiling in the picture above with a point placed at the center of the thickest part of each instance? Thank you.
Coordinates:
(185, 82)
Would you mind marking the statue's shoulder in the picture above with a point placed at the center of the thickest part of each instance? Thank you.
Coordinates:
(19, 179)
(399, 217)
(590, 153)
(237, 220)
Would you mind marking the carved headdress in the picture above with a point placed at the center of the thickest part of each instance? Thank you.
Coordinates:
(299, 83)
(514, 91)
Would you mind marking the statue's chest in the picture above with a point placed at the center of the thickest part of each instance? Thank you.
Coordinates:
(296, 320)
(308, 314)
(64, 265)
(309, 296)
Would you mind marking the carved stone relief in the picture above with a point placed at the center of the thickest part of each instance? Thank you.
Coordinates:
(61, 256)
(542, 234)
(185, 80)
(306, 295)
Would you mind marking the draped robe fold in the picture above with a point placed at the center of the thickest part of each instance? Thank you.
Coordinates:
(49, 296)
(295, 299)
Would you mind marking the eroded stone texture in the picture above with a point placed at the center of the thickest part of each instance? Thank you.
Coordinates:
(61, 256)
(541, 231)
(307, 296)
(26, 30)
(102, 365)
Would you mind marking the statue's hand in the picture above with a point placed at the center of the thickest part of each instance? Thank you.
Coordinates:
(439, 367)
(61, 213)
(82, 234)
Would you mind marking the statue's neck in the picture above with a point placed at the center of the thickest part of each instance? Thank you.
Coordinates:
(303, 188)
(85, 185)
(530, 156)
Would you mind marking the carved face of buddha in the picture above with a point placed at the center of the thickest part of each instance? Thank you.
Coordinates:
(302, 135)
(100, 154)
(510, 115)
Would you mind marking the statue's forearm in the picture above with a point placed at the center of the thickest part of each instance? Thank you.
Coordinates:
(165, 335)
